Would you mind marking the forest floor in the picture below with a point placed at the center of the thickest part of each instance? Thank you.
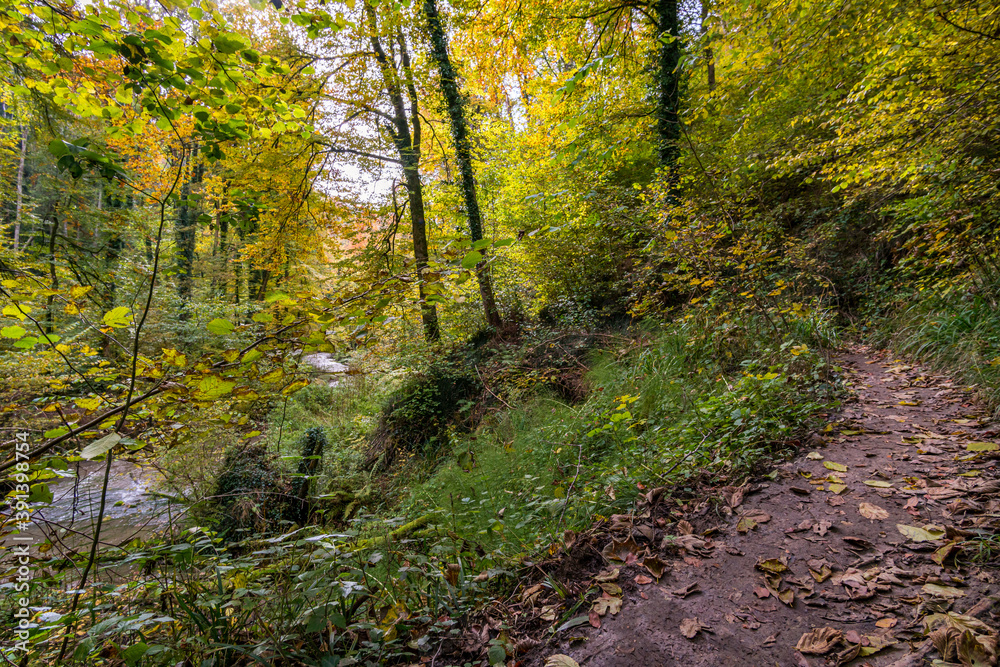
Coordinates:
(846, 552)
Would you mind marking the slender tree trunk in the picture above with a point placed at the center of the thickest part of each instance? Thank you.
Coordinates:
(50, 313)
(187, 218)
(19, 205)
(463, 153)
(224, 252)
(408, 147)
(668, 84)
(709, 55)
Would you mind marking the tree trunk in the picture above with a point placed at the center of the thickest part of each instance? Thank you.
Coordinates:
(408, 147)
(19, 205)
(50, 313)
(184, 234)
(463, 153)
(709, 55)
(668, 93)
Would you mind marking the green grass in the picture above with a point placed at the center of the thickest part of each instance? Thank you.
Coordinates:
(957, 333)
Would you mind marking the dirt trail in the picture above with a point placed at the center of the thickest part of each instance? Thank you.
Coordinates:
(898, 453)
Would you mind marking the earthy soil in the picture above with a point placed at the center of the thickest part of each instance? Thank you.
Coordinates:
(905, 430)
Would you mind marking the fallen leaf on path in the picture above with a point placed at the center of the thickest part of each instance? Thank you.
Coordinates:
(685, 591)
(815, 456)
(620, 551)
(773, 565)
(607, 575)
(751, 519)
(691, 627)
(886, 623)
(684, 528)
(604, 605)
(941, 591)
(830, 465)
(761, 592)
(560, 660)
(642, 580)
(837, 488)
(943, 553)
(835, 501)
(956, 620)
(982, 447)
(858, 542)
(820, 570)
(873, 512)
(655, 566)
(878, 484)
(611, 588)
(819, 642)
(594, 618)
(821, 528)
(928, 533)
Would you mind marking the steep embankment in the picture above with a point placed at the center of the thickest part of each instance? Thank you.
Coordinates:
(851, 548)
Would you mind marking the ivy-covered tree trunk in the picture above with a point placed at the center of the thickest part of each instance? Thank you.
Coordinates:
(463, 152)
(668, 84)
(408, 146)
(184, 232)
(19, 205)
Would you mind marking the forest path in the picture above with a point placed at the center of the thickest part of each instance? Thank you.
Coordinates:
(898, 453)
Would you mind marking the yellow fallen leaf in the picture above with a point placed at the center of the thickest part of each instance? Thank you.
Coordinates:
(982, 447)
(830, 465)
(837, 488)
(878, 484)
(928, 533)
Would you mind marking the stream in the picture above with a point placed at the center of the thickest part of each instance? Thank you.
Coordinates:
(132, 509)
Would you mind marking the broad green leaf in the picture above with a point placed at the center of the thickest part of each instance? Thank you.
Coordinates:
(40, 493)
(471, 260)
(213, 387)
(118, 317)
(14, 332)
(220, 327)
(98, 447)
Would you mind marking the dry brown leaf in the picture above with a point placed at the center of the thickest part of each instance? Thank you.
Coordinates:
(887, 622)
(604, 605)
(655, 566)
(685, 591)
(822, 527)
(560, 660)
(691, 627)
(684, 528)
(819, 641)
(642, 580)
(872, 512)
(607, 575)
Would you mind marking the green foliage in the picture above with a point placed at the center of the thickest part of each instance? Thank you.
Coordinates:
(251, 495)
(416, 416)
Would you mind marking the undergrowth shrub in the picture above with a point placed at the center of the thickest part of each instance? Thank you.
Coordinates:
(251, 496)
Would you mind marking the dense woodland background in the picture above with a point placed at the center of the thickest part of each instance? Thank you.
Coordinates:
(568, 252)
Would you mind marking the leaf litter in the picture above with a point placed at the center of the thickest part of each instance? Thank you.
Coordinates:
(897, 563)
